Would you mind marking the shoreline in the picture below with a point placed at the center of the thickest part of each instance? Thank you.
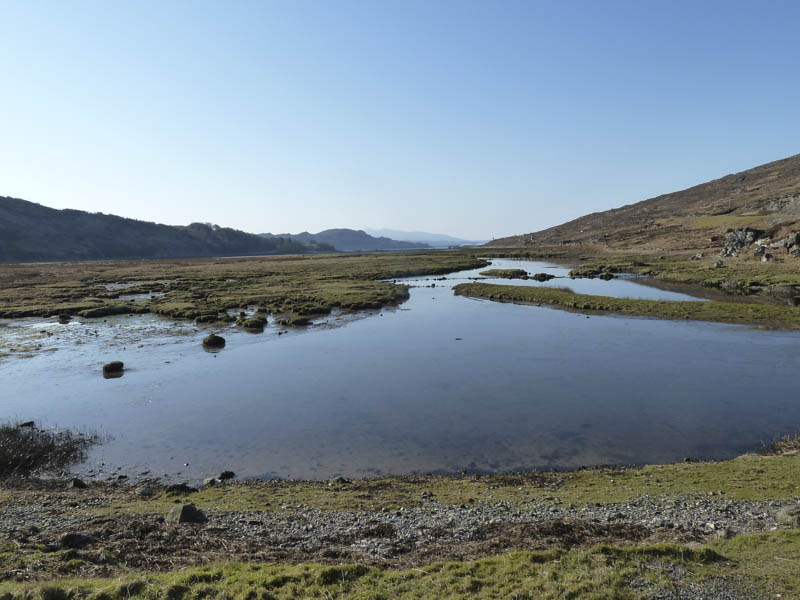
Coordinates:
(112, 532)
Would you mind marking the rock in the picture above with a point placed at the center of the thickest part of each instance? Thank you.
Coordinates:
(543, 277)
(338, 481)
(225, 475)
(697, 256)
(795, 250)
(760, 251)
(606, 276)
(115, 366)
(767, 258)
(719, 264)
(145, 491)
(76, 484)
(75, 540)
(789, 517)
(736, 239)
(254, 323)
(214, 341)
(29, 424)
(64, 318)
(210, 481)
(185, 513)
(180, 488)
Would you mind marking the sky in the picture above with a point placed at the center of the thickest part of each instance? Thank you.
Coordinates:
(475, 119)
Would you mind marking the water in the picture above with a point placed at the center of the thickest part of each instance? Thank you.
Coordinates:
(438, 384)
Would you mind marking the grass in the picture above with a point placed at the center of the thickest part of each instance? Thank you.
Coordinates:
(207, 288)
(602, 572)
(767, 315)
(787, 444)
(28, 450)
(506, 273)
(766, 562)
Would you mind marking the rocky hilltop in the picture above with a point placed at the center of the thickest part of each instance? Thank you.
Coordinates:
(31, 232)
(762, 203)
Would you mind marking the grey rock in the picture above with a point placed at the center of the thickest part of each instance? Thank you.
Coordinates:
(145, 491)
(789, 516)
(180, 488)
(185, 513)
(76, 483)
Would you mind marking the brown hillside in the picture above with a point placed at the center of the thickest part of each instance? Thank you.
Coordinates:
(765, 198)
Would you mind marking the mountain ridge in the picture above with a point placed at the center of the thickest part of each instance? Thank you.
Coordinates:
(31, 232)
(765, 198)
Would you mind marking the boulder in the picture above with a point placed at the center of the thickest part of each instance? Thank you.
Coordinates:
(760, 251)
(145, 491)
(64, 318)
(180, 488)
(225, 475)
(76, 484)
(214, 341)
(185, 513)
(543, 277)
(736, 239)
(115, 366)
(789, 516)
(767, 257)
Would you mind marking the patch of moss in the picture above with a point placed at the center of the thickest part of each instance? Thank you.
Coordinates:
(506, 273)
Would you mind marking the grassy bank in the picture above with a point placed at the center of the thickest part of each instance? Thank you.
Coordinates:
(745, 275)
(601, 572)
(766, 315)
(207, 288)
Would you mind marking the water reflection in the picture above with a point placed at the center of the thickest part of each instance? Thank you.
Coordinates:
(439, 384)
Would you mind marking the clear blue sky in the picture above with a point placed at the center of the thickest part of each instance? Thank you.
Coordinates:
(477, 119)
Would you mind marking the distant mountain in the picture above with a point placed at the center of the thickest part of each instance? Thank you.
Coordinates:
(348, 240)
(765, 198)
(432, 239)
(31, 232)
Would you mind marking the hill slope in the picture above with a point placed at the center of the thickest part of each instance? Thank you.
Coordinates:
(348, 240)
(766, 198)
(31, 232)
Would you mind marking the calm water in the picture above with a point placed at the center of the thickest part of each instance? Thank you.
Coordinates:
(441, 383)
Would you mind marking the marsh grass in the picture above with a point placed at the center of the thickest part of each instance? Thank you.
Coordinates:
(29, 450)
(782, 445)
(765, 315)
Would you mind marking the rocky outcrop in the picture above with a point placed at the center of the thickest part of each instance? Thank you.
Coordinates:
(737, 239)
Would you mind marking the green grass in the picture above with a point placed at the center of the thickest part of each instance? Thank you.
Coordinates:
(505, 273)
(191, 288)
(767, 315)
(766, 562)
(602, 572)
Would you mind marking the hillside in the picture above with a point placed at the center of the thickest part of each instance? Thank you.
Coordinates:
(31, 232)
(348, 240)
(765, 198)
